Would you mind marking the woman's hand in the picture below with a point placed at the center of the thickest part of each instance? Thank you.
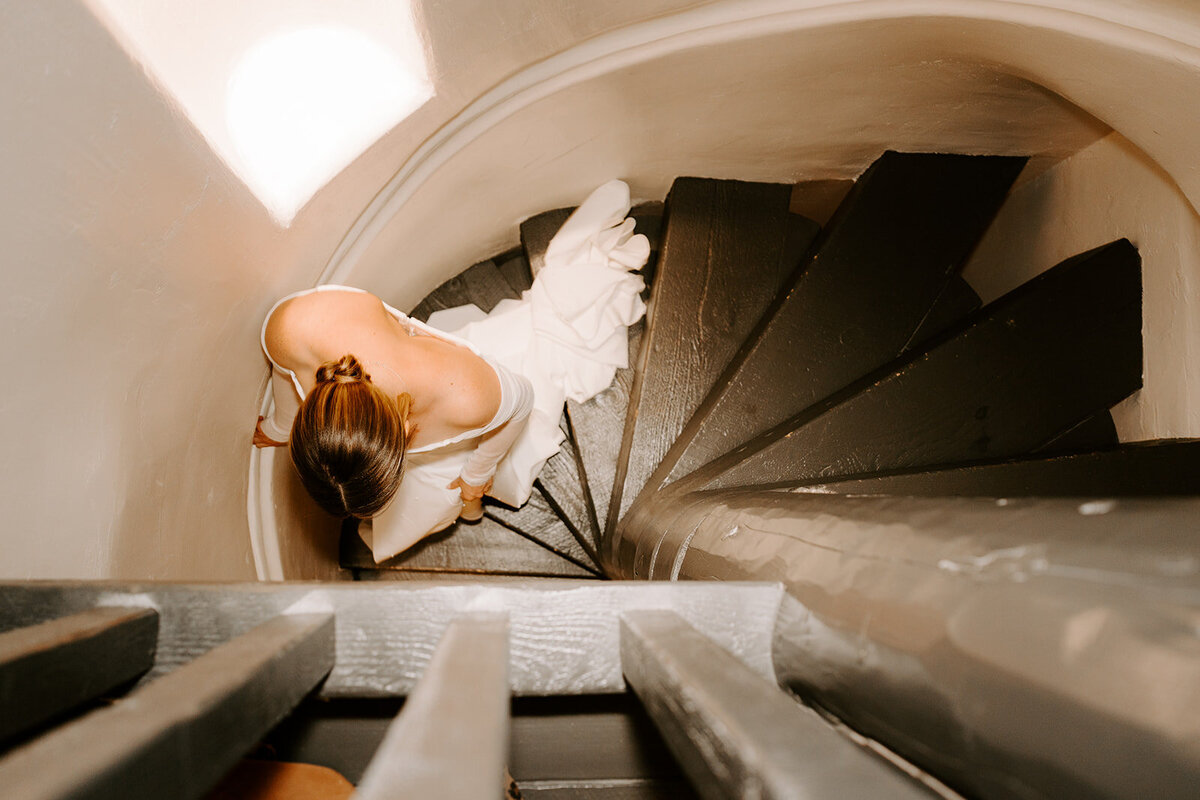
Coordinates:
(472, 497)
(262, 440)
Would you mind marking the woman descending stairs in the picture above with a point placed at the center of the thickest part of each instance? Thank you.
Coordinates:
(822, 405)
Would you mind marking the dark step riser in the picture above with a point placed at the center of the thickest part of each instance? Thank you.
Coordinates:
(1030, 366)
(728, 248)
(880, 282)
(1135, 470)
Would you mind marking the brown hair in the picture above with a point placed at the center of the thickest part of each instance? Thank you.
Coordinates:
(348, 441)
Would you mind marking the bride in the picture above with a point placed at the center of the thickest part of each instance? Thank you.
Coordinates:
(392, 419)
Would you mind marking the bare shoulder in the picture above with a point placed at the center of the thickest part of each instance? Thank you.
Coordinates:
(470, 393)
(299, 323)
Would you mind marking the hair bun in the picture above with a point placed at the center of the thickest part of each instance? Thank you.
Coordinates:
(346, 369)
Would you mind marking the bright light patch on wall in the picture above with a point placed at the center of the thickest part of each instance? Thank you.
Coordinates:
(302, 105)
(286, 92)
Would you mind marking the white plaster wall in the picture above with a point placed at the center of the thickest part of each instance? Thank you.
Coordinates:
(136, 273)
(774, 107)
(138, 268)
(1108, 191)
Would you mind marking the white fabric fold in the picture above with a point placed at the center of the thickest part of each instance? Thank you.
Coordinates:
(567, 335)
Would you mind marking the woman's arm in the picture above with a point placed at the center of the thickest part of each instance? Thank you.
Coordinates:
(476, 475)
(274, 432)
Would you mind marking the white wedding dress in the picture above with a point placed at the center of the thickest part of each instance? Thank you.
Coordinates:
(567, 336)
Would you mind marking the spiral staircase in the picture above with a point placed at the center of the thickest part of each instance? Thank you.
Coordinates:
(909, 510)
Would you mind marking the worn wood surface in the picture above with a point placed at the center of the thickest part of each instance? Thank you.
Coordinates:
(481, 284)
(536, 233)
(1060, 347)
(451, 738)
(598, 426)
(485, 546)
(727, 249)
(52, 667)
(883, 261)
(564, 632)
(737, 734)
(516, 271)
(564, 482)
(956, 302)
(902, 612)
(1140, 469)
(541, 523)
(1096, 432)
(177, 736)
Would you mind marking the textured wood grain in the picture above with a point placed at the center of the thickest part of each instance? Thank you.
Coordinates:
(728, 248)
(486, 546)
(956, 302)
(541, 523)
(1062, 346)
(737, 734)
(598, 426)
(177, 736)
(52, 667)
(1141, 469)
(451, 738)
(536, 233)
(515, 270)
(562, 483)
(564, 632)
(909, 222)
(482, 285)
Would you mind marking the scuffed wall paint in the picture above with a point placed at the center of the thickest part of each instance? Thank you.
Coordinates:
(1108, 191)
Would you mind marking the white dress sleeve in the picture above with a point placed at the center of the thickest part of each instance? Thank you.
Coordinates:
(516, 401)
(278, 426)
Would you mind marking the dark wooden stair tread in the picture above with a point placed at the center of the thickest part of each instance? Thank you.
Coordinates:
(728, 247)
(539, 521)
(481, 284)
(1138, 469)
(1096, 432)
(1024, 369)
(598, 424)
(875, 280)
(485, 547)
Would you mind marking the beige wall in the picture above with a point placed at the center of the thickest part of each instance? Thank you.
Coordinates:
(1108, 191)
(138, 268)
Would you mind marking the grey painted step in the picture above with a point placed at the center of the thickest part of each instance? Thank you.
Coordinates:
(727, 249)
(58, 665)
(879, 269)
(539, 522)
(515, 269)
(1141, 469)
(1026, 368)
(564, 632)
(599, 424)
(481, 284)
(486, 547)
(562, 473)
